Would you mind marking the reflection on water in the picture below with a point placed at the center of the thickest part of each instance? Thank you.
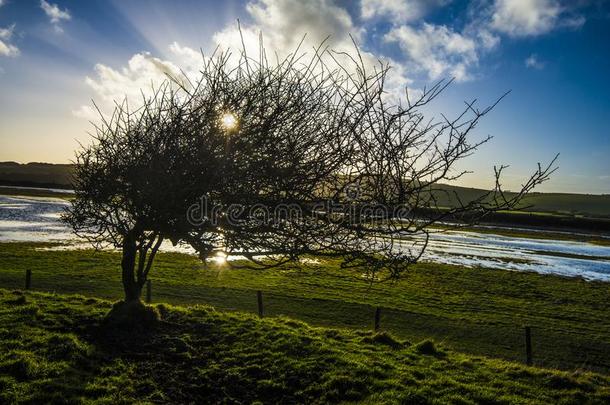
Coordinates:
(590, 261)
(34, 219)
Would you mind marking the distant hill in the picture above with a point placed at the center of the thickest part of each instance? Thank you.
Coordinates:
(36, 174)
(561, 203)
(59, 176)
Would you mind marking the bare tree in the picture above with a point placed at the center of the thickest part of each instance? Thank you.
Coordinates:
(307, 155)
(401, 168)
(292, 137)
(130, 185)
(322, 161)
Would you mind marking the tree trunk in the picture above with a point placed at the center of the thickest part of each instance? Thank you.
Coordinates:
(131, 287)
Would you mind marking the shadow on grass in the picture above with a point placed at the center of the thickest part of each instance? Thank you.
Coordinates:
(63, 349)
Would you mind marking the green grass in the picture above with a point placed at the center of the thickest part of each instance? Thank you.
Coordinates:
(25, 192)
(54, 349)
(588, 204)
(478, 311)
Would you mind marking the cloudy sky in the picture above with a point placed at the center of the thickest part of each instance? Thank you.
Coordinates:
(554, 56)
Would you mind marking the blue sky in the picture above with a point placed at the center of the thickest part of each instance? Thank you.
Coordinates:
(554, 56)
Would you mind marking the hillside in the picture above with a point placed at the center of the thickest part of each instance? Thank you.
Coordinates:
(36, 174)
(562, 203)
(59, 176)
(55, 348)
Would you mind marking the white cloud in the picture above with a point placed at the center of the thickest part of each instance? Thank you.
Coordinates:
(574, 22)
(399, 11)
(188, 59)
(86, 112)
(55, 14)
(436, 49)
(533, 62)
(1, 3)
(284, 23)
(487, 39)
(6, 48)
(7, 33)
(520, 18)
(142, 74)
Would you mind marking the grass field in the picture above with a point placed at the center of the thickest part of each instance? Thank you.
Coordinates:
(477, 311)
(33, 192)
(55, 349)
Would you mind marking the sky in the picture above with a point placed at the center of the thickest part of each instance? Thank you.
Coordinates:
(56, 56)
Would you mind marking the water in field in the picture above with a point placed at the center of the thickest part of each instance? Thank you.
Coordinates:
(567, 258)
(32, 219)
(36, 219)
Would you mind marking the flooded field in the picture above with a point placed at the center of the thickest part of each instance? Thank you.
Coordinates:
(32, 219)
(561, 257)
(36, 219)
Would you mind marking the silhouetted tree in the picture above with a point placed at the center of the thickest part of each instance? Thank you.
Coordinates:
(130, 184)
(274, 161)
(291, 140)
(321, 160)
(400, 171)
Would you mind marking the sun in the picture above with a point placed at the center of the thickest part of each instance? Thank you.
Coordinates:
(229, 121)
(220, 258)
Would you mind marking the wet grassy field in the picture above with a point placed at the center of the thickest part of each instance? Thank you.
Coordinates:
(477, 311)
(56, 349)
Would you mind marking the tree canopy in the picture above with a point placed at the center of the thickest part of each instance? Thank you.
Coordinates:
(272, 161)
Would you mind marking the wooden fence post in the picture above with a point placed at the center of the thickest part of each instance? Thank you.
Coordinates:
(148, 291)
(259, 296)
(28, 279)
(377, 318)
(528, 345)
